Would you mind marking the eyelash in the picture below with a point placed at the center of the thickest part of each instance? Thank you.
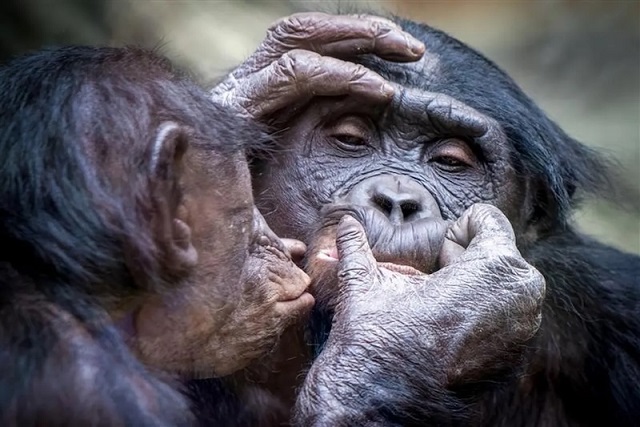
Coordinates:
(350, 140)
(449, 161)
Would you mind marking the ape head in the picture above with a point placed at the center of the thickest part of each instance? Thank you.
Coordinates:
(458, 132)
(126, 199)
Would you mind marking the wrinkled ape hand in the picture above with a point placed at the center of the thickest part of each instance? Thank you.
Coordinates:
(397, 335)
(299, 60)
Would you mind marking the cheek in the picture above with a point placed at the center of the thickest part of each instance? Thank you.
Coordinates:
(456, 193)
(290, 193)
(221, 235)
(222, 256)
(512, 200)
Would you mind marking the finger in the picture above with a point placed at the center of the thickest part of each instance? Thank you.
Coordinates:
(482, 226)
(299, 75)
(339, 36)
(357, 266)
(349, 35)
(296, 248)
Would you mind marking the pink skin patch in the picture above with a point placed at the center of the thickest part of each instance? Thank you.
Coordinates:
(331, 255)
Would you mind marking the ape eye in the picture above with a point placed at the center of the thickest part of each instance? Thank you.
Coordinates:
(348, 139)
(448, 161)
(350, 132)
(453, 155)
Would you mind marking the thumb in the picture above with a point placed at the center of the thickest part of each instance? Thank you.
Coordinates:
(356, 262)
(482, 229)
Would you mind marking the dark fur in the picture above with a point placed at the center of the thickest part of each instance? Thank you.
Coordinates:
(76, 127)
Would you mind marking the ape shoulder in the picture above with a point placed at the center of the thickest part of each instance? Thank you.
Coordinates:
(57, 366)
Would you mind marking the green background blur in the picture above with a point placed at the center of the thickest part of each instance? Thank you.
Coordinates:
(580, 60)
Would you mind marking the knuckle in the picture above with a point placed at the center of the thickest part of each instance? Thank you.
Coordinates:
(288, 65)
(480, 208)
(505, 259)
(536, 285)
(482, 213)
(377, 22)
(298, 24)
(350, 236)
(359, 71)
(294, 61)
(355, 273)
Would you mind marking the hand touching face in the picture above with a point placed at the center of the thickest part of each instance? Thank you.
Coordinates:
(303, 57)
(462, 323)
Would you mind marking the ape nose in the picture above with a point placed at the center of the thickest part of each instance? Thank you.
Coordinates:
(400, 198)
(398, 207)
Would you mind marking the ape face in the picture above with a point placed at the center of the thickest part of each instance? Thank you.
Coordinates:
(239, 287)
(133, 191)
(457, 132)
(403, 170)
(242, 290)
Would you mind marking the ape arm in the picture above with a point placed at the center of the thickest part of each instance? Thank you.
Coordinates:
(86, 376)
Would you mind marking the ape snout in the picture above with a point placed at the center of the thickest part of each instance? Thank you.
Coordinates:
(401, 199)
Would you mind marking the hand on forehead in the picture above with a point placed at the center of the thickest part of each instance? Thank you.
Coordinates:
(303, 57)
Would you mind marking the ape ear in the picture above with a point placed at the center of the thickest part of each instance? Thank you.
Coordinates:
(173, 234)
(542, 208)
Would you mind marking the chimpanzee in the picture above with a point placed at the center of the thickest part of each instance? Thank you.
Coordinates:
(132, 254)
(446, 178)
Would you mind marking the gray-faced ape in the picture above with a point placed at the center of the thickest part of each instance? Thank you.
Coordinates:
(446, 328)
(131, 247)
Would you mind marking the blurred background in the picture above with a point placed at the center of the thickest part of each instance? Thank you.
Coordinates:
(580, 60)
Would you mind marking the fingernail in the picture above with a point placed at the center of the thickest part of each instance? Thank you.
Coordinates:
(416, 47)
(387, 90)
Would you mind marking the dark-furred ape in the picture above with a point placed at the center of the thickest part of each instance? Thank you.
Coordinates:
(132, 255)
(457, 133)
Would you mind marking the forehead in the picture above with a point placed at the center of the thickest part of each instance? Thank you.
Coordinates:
(425, 74)
(451, 68)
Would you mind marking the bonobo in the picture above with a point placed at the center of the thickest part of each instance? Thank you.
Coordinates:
(132, 254)
(465, 190)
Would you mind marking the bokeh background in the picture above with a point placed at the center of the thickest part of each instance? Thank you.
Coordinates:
(580, 60)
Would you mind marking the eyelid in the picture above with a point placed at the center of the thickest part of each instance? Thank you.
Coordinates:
(455, 148)
(352, 125)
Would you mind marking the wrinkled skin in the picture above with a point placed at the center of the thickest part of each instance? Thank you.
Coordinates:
(462, 322)
(298, 60)
(420, 154)
(323, 153)
(412, 247)
(220, 325)
(458, 132)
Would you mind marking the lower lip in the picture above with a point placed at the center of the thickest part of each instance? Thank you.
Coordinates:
(305, 297)
(400, 268)
(330, 255)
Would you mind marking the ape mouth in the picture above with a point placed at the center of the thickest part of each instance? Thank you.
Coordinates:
(331, 257)
(408, 248)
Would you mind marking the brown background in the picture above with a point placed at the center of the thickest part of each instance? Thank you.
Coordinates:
(580, 60)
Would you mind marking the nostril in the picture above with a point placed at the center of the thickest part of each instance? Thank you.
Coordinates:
(384, 203)
(409, 208)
